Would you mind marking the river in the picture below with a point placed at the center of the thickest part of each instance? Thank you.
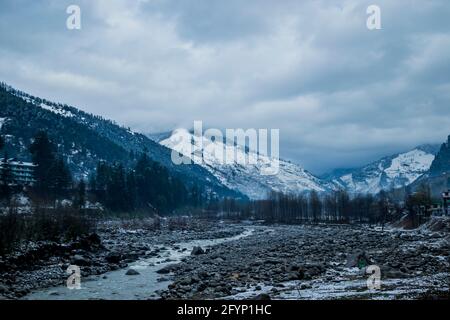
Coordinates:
(116, 285)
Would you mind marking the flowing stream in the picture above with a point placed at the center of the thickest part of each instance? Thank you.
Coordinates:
(116, 285)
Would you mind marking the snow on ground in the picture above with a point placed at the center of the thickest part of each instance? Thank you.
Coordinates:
(57, 110)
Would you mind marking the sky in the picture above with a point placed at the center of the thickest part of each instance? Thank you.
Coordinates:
(340, 94)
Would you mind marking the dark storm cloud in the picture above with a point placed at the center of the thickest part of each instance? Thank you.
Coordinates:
(341, 95)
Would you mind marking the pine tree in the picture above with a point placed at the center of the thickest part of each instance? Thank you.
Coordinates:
(61, 177)
(42, 152)
(80, 197)
(6, 179)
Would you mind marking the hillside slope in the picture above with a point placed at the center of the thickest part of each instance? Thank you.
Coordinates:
(84, 139)
(390, 172)
(240, 174)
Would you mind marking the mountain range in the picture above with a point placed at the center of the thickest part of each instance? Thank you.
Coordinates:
(387, 173)
(391, 172)
(247, 179)
(84, 139)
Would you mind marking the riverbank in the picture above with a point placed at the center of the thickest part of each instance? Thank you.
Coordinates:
(214, 260)
(318, 262)
(114, 246)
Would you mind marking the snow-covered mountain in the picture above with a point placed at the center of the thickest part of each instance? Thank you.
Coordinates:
(243, 169)
(395, 171)
(84, 139)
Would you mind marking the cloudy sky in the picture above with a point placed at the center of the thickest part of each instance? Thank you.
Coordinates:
(341, 95)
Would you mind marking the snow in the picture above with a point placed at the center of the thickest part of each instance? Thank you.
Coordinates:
(241, 169)
(2, 121)
(410, 165)
(58, 110)
(398, 171)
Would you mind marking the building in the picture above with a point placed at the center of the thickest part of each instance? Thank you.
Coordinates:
(20, 173)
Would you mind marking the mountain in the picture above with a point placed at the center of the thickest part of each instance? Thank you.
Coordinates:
(84, 139)
(387, 173)
(247, 179)
(438, 177)
(441, 164)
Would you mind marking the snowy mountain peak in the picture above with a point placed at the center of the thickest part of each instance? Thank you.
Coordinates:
(390, 172)
(241, 169)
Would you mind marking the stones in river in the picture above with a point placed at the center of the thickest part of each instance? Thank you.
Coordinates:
(113, 258)
(79, 260)
(132, 272)
(167, 269)
(197, 251)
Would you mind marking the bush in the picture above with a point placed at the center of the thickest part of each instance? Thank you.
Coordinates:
(62, 224)
(12, 229)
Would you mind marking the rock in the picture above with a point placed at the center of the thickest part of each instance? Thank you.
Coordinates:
(202, 286)
(197, 251)
(186, 281)
(162, 279)
(3, 288)
(305, 286)
(94, 239)
(167, 269)
(132, 272)
(79, 260)
(394, 274)
(262, 296)
(293, 267)
(113, 257)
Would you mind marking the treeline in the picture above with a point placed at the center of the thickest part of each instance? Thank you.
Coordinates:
(59, 224)
(60, 207)
(46, 218)
(146, 187)
(335, 207)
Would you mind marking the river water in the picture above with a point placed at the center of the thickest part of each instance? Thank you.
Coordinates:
(116, 285)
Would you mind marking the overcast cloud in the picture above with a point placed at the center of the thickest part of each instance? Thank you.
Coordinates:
(340, 94)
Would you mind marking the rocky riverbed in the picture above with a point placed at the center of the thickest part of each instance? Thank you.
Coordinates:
(212, 260)
(113, 246)
(318, 262)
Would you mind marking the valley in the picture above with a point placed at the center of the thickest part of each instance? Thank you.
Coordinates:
(253, 261)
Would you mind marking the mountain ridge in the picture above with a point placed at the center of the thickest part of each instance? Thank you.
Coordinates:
(389, 172)
(85, 139)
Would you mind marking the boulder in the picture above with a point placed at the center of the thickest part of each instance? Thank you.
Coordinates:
(167, 269)
(3, 288)
(197, 251)
(262, 296)
(113, 257)
(132, 272)
(79, 260)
